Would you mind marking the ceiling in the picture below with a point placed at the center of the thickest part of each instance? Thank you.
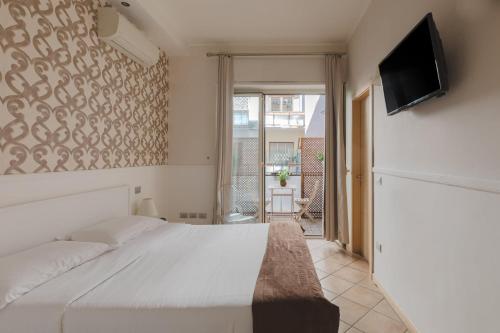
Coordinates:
(195, 22)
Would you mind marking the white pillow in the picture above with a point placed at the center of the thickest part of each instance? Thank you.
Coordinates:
(116, 231)
(22, 271)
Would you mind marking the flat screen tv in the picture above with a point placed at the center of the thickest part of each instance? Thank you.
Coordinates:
(415, 69)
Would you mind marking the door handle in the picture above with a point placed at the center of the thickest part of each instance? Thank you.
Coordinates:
(359, 177)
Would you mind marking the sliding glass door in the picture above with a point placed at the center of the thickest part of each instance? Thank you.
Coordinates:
(278, 159)
(294, 131)
(247, 159)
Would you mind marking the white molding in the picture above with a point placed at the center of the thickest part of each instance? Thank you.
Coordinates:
(70, 173)
(476, 184)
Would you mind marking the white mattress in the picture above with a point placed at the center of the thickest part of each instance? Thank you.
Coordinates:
(177, 279)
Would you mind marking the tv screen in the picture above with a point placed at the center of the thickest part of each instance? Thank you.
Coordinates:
(415, 70)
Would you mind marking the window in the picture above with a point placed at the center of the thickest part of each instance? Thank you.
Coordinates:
(276, 104)
(285, 111)
(240, 118)
(240, 110)
(280, 152)
(287, 104)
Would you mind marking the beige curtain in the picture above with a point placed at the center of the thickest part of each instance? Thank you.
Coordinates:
(224, 138)
(336, 224)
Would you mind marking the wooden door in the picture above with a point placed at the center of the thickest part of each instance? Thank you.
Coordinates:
(364, 175)
(361, 181)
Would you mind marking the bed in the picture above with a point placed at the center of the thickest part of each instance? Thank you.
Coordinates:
(177, 278)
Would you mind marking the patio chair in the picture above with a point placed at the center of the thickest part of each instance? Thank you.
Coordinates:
(304, 203)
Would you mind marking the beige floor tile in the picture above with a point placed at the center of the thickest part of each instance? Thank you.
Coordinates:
(367, 283)
(343, 258)
(360, 265)
(315, 243)
(316, 259)
(385, 308)
(363, 296)
(329, 295)
(326, 250)
(354, 330)
(333, 246)
(328, 265)
(318, 254)
(375, 322)
(343, 327)
(350, 312)
(321, 274)
(350, 274)
(335, 284)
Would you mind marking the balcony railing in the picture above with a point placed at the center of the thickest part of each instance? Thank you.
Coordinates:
(291, 119)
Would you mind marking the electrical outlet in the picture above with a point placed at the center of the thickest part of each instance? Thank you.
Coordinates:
(192, 215)
(378, 246)
(183, 215)
(137, 189)
(202, 215)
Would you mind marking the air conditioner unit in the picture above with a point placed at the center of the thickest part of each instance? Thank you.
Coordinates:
(114, 29)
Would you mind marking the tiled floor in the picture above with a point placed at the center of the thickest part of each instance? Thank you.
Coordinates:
(345, 283)
(313, 228)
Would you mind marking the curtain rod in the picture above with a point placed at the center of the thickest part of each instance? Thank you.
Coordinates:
(264, 54)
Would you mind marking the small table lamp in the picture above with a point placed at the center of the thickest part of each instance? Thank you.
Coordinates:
(148, 208)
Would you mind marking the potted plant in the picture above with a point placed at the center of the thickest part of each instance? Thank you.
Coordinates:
(283, 176)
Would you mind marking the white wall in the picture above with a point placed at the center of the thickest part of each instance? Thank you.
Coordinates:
(439, 241)
(23, 188)
(191, 135)
(279, 69)
(193, 91)
(174, 188)
(190, 189)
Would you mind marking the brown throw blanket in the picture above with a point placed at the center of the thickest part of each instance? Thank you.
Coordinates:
(288, 296)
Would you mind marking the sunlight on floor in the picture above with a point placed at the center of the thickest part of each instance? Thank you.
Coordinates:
(346, 283)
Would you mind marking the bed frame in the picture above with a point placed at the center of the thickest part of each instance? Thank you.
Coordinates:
(29, 224)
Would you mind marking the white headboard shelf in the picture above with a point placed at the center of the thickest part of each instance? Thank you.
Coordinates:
(29, 224)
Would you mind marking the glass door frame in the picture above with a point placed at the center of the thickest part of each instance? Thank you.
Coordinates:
(261, 165)
(261, 94)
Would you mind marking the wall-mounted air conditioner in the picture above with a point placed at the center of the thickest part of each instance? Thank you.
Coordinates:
(114, 29)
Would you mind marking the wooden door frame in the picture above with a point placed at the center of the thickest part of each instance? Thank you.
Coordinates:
(356, 218)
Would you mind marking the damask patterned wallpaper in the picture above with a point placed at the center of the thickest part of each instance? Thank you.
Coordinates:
(71, 102)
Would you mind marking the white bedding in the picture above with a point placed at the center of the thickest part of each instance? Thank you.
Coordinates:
(177, 279)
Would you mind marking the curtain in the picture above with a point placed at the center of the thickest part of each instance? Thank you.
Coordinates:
(336, 223)
(224, 138)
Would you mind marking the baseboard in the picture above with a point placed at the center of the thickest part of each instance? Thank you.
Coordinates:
(409, 324)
